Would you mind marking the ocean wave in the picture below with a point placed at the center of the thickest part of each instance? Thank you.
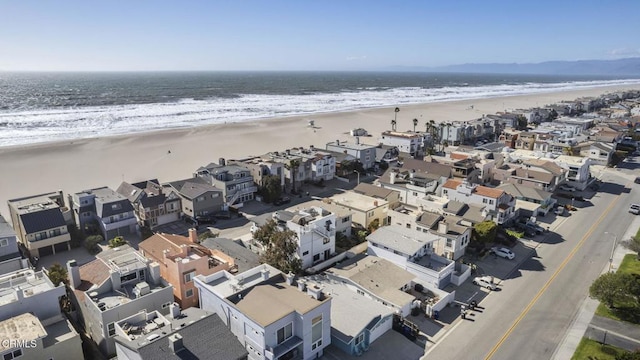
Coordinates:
(34, 126)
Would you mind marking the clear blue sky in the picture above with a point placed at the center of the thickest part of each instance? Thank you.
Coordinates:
(308, 35)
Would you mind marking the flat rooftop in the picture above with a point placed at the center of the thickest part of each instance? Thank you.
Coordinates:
(338, 210)
(29, 282)
(357, 201)
(350, 312)
(35, 203)
(274, 299)
(399, 238)
(22, 327)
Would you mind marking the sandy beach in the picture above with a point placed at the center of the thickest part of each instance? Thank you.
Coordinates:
(78, 165)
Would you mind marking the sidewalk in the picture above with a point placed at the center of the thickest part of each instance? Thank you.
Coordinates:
(588, 308)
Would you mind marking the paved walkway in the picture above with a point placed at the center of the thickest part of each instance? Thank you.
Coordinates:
(585, 317)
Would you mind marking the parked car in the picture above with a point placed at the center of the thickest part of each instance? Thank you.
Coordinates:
(637, 180)
(281, 201)
(565, 187)
(503, 253)
(559, 210)
(634, 209)
(485, 282)
(528, 230)
(206, 219)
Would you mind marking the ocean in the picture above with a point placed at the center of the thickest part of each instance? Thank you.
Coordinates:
(42, 107)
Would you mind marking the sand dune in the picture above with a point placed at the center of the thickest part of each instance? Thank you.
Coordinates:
(78, 165)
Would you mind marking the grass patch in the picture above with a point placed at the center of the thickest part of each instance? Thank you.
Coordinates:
(515, 234)
(630, 265)
(591, 349)
(627, 311)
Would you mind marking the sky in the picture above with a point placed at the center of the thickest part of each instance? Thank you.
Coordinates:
(193, 35)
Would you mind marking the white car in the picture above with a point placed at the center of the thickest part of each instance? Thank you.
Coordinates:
(634, 209)
(485, 282)
(565, 187)
(559, 210)
(503, 253)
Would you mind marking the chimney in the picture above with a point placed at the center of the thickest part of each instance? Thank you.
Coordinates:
(265, 274)
(174, 311)
(357, 140)
(443, 227)
(412, 173)
(338, 142)
(175, 343)
(392, 177)
(375, 202)
(193, 235)
(222, 162)
(315, 291)
(74, 273)
(311, 147)
(302, 286)
(289, 278)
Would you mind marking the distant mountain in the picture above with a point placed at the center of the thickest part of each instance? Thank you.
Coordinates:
(621, 67)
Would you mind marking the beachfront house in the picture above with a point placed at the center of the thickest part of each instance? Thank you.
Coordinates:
(30, 311)
(272, 317)
(111, 211)
(10, 257)
(151, 205)
(499, 205)
(192, 333)
(119, 283)
(40, 223)
(407, 142)
(181, 258)
(197, 197)
(235, 181)
(364, 154)
(261, 167)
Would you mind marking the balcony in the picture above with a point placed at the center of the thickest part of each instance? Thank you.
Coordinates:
(284, 349)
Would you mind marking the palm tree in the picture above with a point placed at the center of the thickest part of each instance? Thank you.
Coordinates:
(293, 166)
(393, 124)
(415, 123)
(397, 110)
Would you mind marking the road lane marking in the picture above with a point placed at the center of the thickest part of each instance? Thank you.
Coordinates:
(548, 283)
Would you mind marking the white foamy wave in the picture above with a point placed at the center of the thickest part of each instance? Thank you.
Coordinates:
(27, 127)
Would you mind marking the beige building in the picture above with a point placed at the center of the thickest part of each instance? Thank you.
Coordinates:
(364, 209)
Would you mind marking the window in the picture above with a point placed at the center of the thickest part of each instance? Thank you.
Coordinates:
(115, 207)
(326, 240)
(305, 253)
(12, 355)
(189, 293)
(316, 332)
(359, 339)
(111, 329)
(129, 277)
(491, 202)
(41, 235)
(166, 305)
(345, 219)
(4, 242)
(408, 226)
(449, 242)
(360, 292)
(484, 201)
(316, 257)
(285, 333)
(189, 276)
(415, 193)
(200, 198)
(55, 232)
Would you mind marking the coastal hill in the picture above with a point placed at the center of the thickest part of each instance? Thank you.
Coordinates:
(620, 67)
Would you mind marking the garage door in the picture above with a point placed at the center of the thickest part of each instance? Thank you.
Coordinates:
(44, 251)
(61, 247)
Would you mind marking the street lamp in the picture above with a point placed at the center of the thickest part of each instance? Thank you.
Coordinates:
(613, 248)
(357, 172)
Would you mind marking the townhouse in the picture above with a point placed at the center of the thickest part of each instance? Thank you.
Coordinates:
(363, 153)
(151, 205)
(498, 204)
(111, 211)
(197, 197)
(40, 223)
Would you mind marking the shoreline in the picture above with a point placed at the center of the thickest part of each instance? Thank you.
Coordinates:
(76, 165)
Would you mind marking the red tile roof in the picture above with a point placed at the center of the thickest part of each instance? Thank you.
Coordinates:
(488, 192)
(452, 184)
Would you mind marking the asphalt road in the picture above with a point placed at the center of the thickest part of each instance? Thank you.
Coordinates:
(528, 318)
